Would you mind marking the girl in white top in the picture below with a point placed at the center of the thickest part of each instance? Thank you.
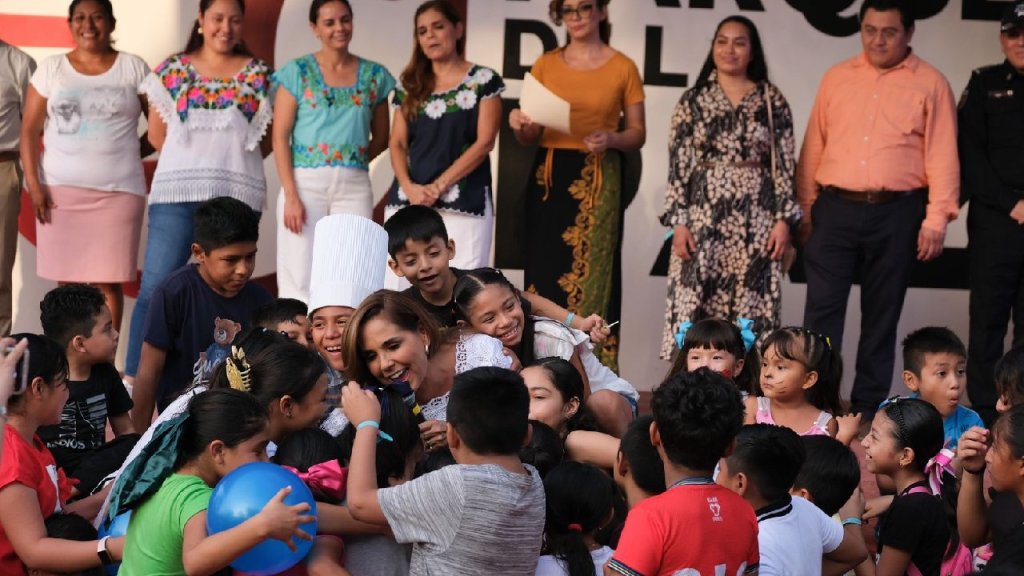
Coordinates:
(490, 304)
(87, 187)
(211, 106)
(579, 503)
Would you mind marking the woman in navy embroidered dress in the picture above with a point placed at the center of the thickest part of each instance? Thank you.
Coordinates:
(448, 119)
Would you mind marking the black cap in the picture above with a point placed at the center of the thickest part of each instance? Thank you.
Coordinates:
(1013, 17)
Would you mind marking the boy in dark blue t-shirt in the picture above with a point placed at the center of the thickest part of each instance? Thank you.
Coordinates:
(197, 310)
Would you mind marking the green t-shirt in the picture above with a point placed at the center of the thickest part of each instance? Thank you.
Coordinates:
(157, 529)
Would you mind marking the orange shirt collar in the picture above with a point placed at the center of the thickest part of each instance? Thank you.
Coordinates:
(911, 62)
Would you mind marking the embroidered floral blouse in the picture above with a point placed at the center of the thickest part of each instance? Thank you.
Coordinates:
(332, 124)
(444, 128)
(214, 127)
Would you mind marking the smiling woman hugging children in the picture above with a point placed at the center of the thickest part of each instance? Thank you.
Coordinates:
(482, 516)
(392, 339)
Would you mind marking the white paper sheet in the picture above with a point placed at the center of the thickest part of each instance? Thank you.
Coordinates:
(543, 106)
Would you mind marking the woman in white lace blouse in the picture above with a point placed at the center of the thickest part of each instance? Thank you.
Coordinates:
(390, 338)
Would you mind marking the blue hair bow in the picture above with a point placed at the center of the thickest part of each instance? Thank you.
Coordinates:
(745, 325)
(681, 333)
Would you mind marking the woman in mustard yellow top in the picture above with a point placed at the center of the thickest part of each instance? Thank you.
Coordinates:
(572, 204)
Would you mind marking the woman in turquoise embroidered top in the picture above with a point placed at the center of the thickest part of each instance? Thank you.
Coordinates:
(330, 121)
(445, 128)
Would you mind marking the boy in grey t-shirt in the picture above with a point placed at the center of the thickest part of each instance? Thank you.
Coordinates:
(484, 515)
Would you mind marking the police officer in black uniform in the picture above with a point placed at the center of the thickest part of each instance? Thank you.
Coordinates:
(991, 142)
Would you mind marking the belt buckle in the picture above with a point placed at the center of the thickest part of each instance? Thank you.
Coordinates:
(874, 196)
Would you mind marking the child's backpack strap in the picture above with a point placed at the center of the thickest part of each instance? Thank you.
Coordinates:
(960, 563)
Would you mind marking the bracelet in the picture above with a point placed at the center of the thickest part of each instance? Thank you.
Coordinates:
(569, 319)
(368, 424)
(853, 521)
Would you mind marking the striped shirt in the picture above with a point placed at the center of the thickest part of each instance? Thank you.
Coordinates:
(469, 520)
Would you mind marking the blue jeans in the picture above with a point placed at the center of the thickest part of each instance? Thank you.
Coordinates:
(168, 246)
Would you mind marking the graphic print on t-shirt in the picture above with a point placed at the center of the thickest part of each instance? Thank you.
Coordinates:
(82, 424)
(85, 112)
(224, 332)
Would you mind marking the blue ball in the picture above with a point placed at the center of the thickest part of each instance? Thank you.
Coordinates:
(241, 495)
(117, 527)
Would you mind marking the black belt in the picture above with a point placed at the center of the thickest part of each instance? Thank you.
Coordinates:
(870, 196)
(8, 155)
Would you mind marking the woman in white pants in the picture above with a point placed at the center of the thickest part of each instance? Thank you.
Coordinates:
(447, 119)
(330, 120)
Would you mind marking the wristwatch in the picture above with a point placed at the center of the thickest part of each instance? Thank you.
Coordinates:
(101, 551)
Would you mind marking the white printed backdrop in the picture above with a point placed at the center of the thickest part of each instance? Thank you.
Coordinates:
(798, 53)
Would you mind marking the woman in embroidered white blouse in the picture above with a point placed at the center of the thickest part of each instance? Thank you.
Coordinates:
(87, 186)
(211, 106)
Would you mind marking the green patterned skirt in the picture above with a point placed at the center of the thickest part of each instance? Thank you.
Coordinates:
(574, 240)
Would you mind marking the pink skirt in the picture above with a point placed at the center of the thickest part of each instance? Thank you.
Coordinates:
(93, 236)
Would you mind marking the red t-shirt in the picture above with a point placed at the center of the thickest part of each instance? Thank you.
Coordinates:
(701, 527)
(32, 466)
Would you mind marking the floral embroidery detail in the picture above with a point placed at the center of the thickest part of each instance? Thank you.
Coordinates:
(465, 96)
(466, 99)
(452, 195)
(246, 91)
(303, 78)
(483, 75)
(316, 91)
(329, 154)
(435, 109)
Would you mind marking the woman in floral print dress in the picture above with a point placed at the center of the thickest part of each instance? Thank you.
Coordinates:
(443, 131)
(730, 199)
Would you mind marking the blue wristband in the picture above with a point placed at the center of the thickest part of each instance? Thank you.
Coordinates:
(368, 424)
(569, 319)
(853, 521)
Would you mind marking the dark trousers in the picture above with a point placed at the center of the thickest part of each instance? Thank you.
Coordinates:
(996, 247)
(90, 468)
(881, 241)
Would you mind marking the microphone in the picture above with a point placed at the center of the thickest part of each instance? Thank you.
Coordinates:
(408, 395)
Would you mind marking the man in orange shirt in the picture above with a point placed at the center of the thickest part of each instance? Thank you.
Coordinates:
(878, 180)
